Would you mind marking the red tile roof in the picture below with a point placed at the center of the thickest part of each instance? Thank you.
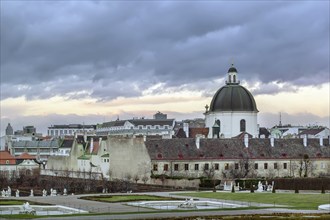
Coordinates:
(6, 158)
(26, 156)
(195, 131)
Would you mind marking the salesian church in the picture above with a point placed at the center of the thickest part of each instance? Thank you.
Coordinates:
(232, 111)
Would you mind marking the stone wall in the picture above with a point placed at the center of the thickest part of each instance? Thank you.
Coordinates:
(128, 158)
(177, 183)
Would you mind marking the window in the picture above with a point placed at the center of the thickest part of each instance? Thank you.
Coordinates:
(226, 166)
(265, 166)
(196, 166)
(7, 161)
(166, 126)
(206, 166)
(256, 166)
(165, 167)
(157, 127)
(246, 166)
(242, 125)
(148, 127)
(275, 166)
(186, 166)
(322, 166)
(140, 127)
(155, 168)
(176, 167)
(236, 166)
(216, 166)
(285, 166)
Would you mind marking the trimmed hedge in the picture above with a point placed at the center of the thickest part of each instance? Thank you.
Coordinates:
(302, 183)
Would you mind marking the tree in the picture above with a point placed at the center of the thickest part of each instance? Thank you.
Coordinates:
(136, 178)
(145, 179)
(242, 169)
(209, 171)
(305, 166)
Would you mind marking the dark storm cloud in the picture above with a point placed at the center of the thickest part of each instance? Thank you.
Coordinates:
(109, 49)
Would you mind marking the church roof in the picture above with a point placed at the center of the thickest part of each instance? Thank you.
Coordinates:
(233, 97)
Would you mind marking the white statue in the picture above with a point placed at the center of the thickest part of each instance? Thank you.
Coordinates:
(31, 193)
(65, 192)
(44, 193)
(260, 188)
(17, 193)
(26, 206)
(53, 192)
(3, 193)
(9, 191)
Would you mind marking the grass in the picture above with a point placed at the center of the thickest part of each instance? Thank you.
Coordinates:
(19, 202)
(125, 198)
(296, 201)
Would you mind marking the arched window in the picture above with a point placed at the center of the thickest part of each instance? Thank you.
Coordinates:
(242, 125)
(234, 80)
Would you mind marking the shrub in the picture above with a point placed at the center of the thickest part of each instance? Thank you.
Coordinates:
(252, 189)
(233, 189)
(273, 190)
(209, 183)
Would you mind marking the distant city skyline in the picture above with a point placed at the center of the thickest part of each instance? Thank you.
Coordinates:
(92, 61)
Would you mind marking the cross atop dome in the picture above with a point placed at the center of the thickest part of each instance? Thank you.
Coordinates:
(232, 76)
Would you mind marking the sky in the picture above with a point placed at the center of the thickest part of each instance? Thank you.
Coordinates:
(89, 62)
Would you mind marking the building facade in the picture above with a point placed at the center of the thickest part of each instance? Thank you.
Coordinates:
(69, 130)
(161, 127)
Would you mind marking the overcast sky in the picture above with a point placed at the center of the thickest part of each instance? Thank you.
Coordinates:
(91, 61)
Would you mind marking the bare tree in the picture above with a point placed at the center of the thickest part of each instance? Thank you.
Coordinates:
(136, 178)
(305, 165)
(145, 179)
(209, 171)
(242, 169)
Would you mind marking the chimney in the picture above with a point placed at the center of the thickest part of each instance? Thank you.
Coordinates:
(246, 140)
(272, 140)
(91, 146)
(198, 141)
(305, 140)
(321, 141)
(186, 129)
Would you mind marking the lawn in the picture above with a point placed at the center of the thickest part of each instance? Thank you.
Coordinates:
(18, 202)
(296, 201)
(125, 198)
